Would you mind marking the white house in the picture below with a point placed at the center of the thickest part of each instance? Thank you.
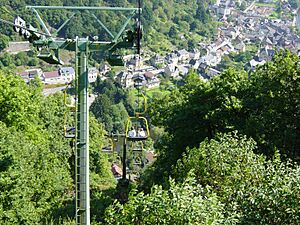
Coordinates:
(195, 54)
(172, 58)
(54, 77)
(152, 80)
(125, 79)
(92, 73)
(183, 55)
(157, 60)
(28, 75)
(67, 72)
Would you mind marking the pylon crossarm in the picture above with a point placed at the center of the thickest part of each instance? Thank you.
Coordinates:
(70, 44)
(64, 24)
(42, 22)
(133, 11)
(103, 26)
(124, 26)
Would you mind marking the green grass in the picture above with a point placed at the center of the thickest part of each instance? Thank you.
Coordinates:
(150, 92)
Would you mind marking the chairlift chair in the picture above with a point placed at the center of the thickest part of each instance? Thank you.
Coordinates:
(69, 132)
(137, 146)
(137, 122)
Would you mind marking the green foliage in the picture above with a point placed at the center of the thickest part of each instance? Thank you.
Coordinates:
(158, 18)
(17, 106)
(264, 107)
(241, 187)
(35, 176)
(273, 100)
(186, 203)
(110, 105)
(3, 42)
(260, 191)
(36, 161)
(33, 181)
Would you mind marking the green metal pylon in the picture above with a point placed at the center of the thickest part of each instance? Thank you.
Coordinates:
(82, 140)
(82, 47)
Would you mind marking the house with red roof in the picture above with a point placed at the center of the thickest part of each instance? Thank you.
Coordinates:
(54, 77)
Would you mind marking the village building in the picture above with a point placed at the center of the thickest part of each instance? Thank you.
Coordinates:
(125, 79)
(67, 72)
(53, 77)
(30, 74)
(152, 80)
(104, 69)
(92, 74)
(157, 61)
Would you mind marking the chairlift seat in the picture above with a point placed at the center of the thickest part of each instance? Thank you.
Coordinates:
(137, 138)
(69, 135)
(50, 58)
(70, 132)
(107, 149)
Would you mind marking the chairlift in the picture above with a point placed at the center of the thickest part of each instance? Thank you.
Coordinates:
(69, 132)
(137, 129)
(69, 123)
(137, 147)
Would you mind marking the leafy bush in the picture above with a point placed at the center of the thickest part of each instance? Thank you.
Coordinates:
(261, 191)
(186, 203)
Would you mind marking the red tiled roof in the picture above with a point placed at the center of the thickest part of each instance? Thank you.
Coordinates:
(24, 73)
(149, 75)
(51, 74)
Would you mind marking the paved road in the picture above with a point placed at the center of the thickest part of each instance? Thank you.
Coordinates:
(49, 91)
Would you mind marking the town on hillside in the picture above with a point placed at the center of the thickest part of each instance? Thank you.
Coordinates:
(250, 30)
